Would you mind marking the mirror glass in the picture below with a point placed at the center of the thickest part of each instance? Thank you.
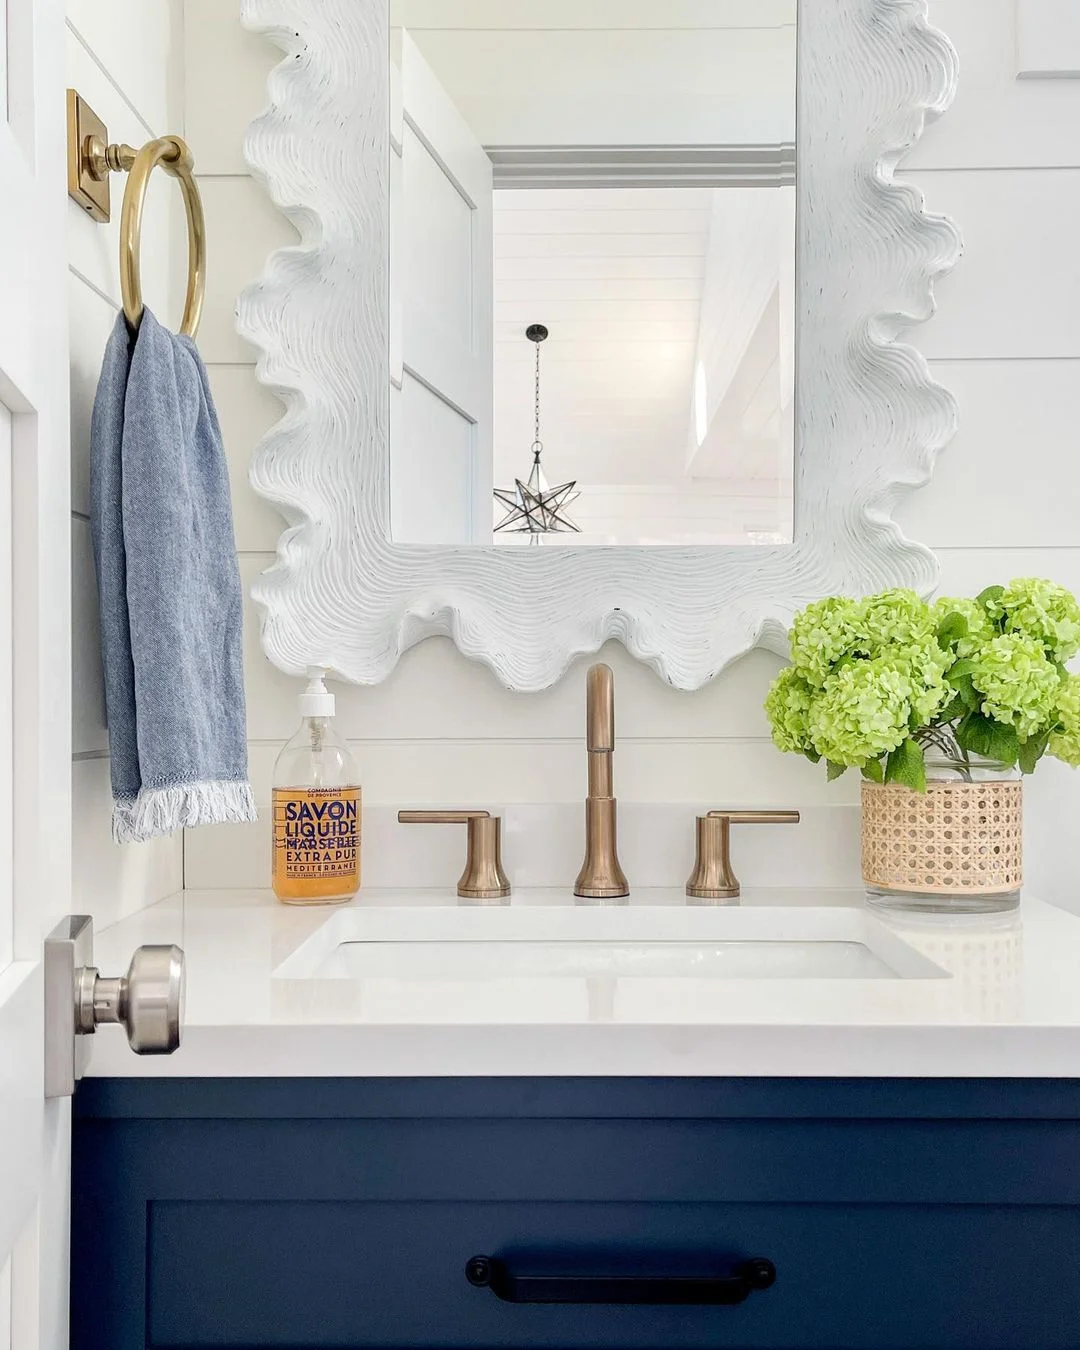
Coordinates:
(592, 272)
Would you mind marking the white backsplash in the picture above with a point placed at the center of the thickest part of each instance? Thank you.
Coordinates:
(544, 845)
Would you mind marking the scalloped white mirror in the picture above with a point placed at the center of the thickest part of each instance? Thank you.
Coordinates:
(594, 327)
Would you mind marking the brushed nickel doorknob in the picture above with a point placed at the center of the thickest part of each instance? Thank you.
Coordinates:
(147, 1002)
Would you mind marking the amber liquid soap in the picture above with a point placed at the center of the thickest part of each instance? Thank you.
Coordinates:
(318, 806)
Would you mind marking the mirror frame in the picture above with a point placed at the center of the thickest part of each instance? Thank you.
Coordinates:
(869, 420)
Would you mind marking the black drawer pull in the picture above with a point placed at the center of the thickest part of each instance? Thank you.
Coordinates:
(488, 1272)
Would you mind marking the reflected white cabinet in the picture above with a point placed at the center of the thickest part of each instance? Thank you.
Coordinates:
(440, 312)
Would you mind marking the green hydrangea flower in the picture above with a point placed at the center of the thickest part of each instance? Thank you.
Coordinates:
(926, 666)
(923, 666)
(1065, 741)
(1018, 683)
(979, 627)
(822, 634)
(861, 713)
(894, 619)
(788, 708)
(1041, 610)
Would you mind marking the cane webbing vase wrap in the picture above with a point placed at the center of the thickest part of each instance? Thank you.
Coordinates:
(955, 839)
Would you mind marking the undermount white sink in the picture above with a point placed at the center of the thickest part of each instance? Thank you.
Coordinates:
(528, 944)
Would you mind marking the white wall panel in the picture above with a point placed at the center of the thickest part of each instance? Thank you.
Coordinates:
(111, 880)
(226, 69)
(242, 227)
(139, 42)
(1051, 798)
(8, 628)
(1018, 434)
(456, 773)
(88, 733)
(1016, 292)
(967, 571)
(91, 319)
(1048, 39)
(246, 411)
(996, 122)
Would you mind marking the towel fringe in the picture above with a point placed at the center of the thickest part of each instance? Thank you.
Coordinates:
(158, 811)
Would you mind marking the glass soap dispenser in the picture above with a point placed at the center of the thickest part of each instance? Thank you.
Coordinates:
(317, 808)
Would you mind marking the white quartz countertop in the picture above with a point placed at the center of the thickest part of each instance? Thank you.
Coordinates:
(997, 996)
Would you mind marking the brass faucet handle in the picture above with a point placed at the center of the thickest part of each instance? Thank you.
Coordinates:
(441, 817)
(713, 877)
(483, 877)
(756, 817)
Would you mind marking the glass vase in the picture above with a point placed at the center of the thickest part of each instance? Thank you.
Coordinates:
(955, 849)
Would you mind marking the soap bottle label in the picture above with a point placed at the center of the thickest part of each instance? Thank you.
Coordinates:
(316, 842)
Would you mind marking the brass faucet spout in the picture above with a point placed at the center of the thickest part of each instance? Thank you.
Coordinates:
(600, 730)
(600, 877)
(600, 709)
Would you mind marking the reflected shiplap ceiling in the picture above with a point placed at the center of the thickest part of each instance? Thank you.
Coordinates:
(617, 274)
(617, 277)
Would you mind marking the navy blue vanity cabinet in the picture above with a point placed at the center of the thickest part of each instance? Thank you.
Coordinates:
(899, 1215)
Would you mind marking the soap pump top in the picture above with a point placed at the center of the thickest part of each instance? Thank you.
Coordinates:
(316, 700)
(316, 757)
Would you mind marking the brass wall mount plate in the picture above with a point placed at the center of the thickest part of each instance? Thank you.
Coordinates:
(84, 186)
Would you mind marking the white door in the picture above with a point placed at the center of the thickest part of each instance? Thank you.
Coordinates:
(35, 700)
(441, 266)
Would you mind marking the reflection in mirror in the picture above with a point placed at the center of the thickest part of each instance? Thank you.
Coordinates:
(620, 174)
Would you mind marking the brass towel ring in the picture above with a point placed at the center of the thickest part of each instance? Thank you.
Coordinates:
(174, 156)
(92, 157)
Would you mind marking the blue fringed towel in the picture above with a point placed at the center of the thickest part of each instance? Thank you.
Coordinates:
(169, 585)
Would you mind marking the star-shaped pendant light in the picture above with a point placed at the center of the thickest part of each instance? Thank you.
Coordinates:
(532, 507)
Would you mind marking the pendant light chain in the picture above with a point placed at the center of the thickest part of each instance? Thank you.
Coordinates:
(536, 425)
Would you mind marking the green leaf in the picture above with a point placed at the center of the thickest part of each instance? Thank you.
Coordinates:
(956, 708)
(812, 756)
(907, 765)
(973, 734)
(967, 693)
(980, 735)
(960, 670)
(873, 770)
(986, 598)
(951, 629)
(1033, 750)
(1006, 744)
(834, 771)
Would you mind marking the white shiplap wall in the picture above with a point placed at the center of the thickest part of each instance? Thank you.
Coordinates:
(1006, 163)
(124, 57)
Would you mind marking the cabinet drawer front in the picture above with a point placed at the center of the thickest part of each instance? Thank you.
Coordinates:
(390, 1274)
